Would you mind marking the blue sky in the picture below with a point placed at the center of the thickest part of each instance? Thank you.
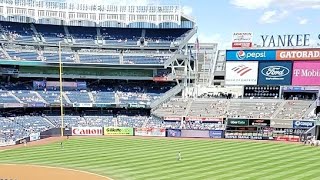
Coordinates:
(218, 19)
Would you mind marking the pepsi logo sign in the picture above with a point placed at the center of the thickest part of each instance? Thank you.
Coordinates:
(275, 71)
(241, 55)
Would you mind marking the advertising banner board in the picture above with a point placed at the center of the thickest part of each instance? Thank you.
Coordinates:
(173, 133)
(251, 55)
(204, 119)
(298, 54)
(287, 138)
(248, 137)
(302, 124)
(259, 122)
(237, 122)
(160, 132)
(242, 39)
(34, 136)
(275, 73)
(306, 73)
(195, 133)
(87, 131)
(241, 73)
(217, 134)
(118, 131)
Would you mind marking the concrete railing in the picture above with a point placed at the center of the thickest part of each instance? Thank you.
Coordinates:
(172, 92)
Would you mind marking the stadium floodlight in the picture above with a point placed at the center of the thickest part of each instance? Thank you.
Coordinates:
(61, 91)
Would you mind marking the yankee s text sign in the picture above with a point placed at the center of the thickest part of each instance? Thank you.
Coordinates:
(287, 40)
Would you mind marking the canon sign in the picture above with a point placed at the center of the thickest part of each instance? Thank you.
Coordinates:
(87, 131)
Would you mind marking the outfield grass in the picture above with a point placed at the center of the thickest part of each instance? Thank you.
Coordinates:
(134, 158)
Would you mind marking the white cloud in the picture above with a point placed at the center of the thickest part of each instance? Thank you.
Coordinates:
(273, 16)
(303, 21)
(187, 10)
(251, 4)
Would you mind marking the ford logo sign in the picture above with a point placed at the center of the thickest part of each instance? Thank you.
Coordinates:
(275, 71)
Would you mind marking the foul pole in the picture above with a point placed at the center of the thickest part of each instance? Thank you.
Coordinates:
(61, 90)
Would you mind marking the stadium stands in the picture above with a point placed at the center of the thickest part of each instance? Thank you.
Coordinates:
(293, 109)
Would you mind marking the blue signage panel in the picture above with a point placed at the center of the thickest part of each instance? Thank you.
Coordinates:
(302, 124)
(173, 133)
(251, 55)
(275, 73)
(218, 134)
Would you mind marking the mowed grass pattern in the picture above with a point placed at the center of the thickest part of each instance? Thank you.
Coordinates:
(144, 159)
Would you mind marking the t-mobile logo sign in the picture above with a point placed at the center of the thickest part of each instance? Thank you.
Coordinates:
(296, 72)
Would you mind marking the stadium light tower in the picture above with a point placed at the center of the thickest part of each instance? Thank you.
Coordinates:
(61, 91)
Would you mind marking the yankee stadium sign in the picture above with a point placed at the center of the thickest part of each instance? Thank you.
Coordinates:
(289, 40)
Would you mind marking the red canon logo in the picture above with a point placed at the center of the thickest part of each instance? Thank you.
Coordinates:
(85, 131)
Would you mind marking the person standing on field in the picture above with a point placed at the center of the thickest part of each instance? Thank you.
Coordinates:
(179, 156)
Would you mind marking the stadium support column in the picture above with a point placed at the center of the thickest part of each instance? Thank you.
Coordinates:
(61, 90)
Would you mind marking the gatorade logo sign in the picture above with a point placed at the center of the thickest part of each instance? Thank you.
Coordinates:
(250, 55)
(303, 124)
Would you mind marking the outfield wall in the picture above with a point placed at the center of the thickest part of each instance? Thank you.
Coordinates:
(160, 132)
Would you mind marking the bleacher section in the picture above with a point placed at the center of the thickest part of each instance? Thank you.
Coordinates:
(17, 31)
(234, 108)
(253, 108)
(174, 108)
(294, 109)
(23, 32)
(208, 108)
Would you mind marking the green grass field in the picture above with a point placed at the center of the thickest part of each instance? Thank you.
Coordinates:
(135, 158)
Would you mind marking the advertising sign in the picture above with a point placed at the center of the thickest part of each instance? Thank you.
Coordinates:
(34, 136)
(281, 123)
(306, 73)
(218, 134)
(161, 132)
(242, 39)
(4, 142)
(275, 73)
(251, 55)
(118, 131)
(287, 138)
(241, 73)
(82, 104)
(248, 137)
(286, 40)
(87, 131)
(195, 133)
(298, 54)
(261, 91)
(238, 122)
(204, 119)
(259, 122)
(12, 105)
(173, 133)
(172, 118)
(302, 124)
